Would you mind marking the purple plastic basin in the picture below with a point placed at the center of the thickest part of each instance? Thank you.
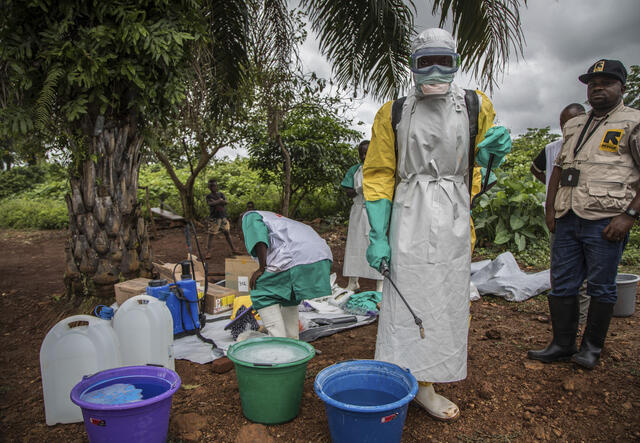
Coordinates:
(144, 420)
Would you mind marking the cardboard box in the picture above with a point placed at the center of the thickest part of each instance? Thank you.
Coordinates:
(237, 273)
(197, 265)
(166, 271)
(130, 288)
(218, 299)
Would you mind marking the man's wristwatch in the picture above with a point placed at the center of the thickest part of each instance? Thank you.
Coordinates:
(632, 213)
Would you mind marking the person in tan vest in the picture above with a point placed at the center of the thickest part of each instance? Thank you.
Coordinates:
(591, 206)
(542, 167)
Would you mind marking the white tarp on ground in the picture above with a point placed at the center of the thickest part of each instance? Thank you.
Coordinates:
(503, 277)
(193, 349)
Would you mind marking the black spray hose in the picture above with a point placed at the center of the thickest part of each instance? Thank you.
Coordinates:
(485, 184)
(204, 263)
(384, 270)
(202, 317)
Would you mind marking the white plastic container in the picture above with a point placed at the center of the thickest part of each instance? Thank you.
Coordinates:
(145, 328)
(76, 346)
(627, 285)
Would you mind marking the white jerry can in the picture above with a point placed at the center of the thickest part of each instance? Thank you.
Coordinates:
(145, 328)
(76, 346)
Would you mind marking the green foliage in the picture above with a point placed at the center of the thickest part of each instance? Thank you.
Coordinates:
(236, 180)
(512, 212)
(23, 213)
(47, 181)
(632, 93)
(67, 60)
(19, 179)
(240, 184)
(525, 149)
(631, 255)
(319, 142)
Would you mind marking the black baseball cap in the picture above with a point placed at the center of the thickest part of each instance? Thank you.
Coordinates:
(609, 68)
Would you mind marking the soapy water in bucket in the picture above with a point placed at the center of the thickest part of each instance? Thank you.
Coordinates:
(271, 353)
(123, 390)
(365, 397)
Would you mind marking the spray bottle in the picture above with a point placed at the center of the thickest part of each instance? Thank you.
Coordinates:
(188, 294)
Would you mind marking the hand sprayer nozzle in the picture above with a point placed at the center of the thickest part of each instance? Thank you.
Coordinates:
(384, 268)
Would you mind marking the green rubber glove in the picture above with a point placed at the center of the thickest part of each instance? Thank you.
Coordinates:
(497, 141)
(379, 212)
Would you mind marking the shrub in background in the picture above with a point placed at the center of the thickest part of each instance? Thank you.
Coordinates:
(21, 179)
(20, 213)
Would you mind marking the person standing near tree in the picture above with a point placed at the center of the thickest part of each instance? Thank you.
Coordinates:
(592, 205)
(422, 169)
(541, 169)
(355, 261)
(217, 220)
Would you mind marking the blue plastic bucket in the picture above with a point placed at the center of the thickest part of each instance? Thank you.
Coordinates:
(366, 400)
(143, 420)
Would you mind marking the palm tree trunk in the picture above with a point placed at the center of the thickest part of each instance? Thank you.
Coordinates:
(108, 239)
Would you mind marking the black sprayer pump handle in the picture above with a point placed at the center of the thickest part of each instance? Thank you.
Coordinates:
(186, 272)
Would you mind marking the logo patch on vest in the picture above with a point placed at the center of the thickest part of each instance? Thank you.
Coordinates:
(611, 140)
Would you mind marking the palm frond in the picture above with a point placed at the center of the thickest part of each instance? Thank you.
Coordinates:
(367, 41)
(487, 31)
(228, 23)
(277, 32)
(47, 96)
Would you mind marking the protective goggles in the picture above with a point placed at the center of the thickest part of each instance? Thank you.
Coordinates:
(428, 60)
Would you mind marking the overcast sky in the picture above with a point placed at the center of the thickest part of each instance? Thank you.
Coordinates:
(563, 38)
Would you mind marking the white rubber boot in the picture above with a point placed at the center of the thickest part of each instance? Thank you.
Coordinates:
(353, 284)
(291, 321)
(436, 405)
(272, 319)
(379, 284)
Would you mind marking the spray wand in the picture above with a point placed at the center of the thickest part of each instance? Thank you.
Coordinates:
(384, 270)
(485, 184)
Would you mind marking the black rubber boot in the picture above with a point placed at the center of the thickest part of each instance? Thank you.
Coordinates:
(594, 334)
(564, 321)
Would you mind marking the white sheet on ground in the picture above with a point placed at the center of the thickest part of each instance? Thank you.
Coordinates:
(503, 277)
(193, 349)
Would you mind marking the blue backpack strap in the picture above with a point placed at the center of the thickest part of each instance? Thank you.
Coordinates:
(473, 109)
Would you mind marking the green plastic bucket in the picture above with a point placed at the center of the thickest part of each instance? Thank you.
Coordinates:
(271, 373)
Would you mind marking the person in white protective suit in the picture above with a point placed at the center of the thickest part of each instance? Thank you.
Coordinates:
(422, 170)
(355, 262)
(294, 265)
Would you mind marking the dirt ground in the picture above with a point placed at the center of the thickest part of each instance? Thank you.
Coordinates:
(504, 398)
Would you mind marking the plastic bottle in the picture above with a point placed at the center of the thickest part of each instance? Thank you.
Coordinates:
(76, 346)
(144, 326)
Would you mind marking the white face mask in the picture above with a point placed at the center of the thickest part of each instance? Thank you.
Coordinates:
(437, 88)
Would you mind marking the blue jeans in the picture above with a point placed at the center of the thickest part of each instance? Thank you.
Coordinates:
(580, 252)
